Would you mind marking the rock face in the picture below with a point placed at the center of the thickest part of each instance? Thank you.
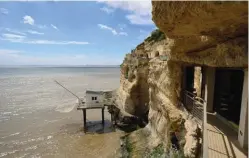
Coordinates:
(207, 30)
(133, 94)
(216, 19)
(197, 33)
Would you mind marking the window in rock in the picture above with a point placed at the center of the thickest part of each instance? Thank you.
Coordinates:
(156, 54)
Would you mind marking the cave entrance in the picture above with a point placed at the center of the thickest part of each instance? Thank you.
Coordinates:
(228, 93)
(188, 86)
(189, 78)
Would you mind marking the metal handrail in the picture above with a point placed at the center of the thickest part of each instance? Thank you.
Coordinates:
(199, 101)
(205, 137)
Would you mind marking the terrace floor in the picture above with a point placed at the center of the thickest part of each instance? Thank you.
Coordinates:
(222, 140)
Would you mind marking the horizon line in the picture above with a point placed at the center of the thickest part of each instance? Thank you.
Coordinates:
(59, 65)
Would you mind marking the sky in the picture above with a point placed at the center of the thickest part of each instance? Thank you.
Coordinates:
(72, 33)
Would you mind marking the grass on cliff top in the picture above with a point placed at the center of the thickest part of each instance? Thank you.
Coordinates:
(155, 36)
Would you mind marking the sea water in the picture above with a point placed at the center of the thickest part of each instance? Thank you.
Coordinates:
(38, 118)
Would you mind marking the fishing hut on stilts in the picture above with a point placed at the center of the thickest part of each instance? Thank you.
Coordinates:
(92, 100)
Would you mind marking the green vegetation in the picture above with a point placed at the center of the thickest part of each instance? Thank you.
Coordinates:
(127, 73)
(175, 154)
(155, 36)
(157, 152)
(129, 147)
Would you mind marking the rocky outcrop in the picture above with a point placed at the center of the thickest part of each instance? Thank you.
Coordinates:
(205, 33)
(196, 33)
(206, 18)
(133, 93)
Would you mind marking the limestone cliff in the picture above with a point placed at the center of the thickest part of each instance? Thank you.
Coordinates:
(133, 94)
(197, 33)
(205, 32)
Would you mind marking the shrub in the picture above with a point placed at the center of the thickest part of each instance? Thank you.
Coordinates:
(156, 35)
(126, 72)
(157, 152)
(175, 153)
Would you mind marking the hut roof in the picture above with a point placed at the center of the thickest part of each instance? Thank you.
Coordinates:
(94, 92)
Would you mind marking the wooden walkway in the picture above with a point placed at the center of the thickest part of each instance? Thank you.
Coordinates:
(222, 140)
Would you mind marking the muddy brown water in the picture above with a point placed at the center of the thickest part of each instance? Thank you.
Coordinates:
(37, 118)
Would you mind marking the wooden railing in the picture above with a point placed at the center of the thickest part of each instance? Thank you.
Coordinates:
(197, 108)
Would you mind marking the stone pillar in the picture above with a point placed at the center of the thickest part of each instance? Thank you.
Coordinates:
(209, 87)
(197, 80)
(243, 124)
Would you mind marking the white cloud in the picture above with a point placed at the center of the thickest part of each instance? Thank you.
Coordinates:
(15, 31)
(139, 11)
(53, 26)
(107, 10)
(9, 52)
(4, 11)
(22, 39)
(42, 26)
(114, 32)
(17, 57)
(122, 26)
(123, 34)
(28, 20)
(35, 32)
(139, 20)
(56, 42)
(13, 37)
(138, 7)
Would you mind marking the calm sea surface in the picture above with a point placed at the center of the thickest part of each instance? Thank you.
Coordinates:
(38, 118)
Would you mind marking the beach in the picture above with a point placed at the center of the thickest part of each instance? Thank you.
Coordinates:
(38, 118)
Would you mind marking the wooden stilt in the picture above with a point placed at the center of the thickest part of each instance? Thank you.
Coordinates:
(84, 119)
(103, 116)
(111, 118)
(84, 115)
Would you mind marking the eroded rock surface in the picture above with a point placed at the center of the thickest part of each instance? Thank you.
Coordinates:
(207, 18)
(197, 33)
